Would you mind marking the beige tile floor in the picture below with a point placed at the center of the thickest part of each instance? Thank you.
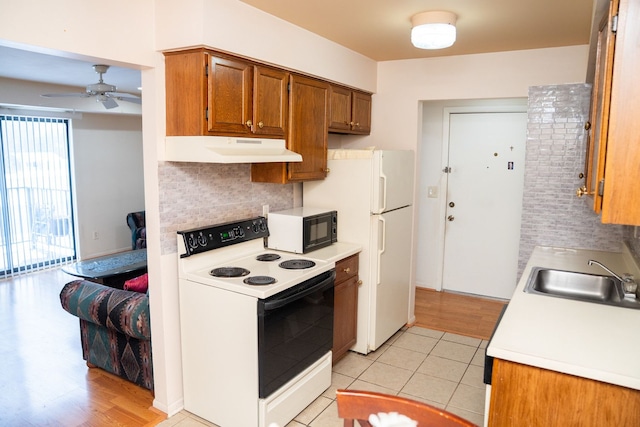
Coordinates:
(442, 369)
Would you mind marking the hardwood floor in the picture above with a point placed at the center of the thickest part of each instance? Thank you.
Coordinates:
(45, 382)
(460, 314)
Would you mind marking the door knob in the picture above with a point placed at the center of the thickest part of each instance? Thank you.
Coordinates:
(451, 204)
(450, 218)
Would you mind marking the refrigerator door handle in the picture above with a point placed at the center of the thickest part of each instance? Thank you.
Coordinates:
(383, 190)
(382, 246)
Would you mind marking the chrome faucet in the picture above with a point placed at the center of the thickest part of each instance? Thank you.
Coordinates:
(629, 285)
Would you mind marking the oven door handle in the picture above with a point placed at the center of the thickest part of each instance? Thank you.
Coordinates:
(281, 302)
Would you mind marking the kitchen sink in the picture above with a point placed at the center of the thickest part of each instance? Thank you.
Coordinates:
(579, 286)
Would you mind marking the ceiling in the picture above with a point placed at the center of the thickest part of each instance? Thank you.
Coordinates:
(32, 66)
(378, 29)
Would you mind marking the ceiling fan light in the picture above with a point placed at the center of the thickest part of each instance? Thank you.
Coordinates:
(433, 30)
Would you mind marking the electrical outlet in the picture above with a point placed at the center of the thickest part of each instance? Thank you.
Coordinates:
(95, 235)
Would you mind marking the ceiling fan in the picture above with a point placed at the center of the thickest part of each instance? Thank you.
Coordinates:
(103, 92)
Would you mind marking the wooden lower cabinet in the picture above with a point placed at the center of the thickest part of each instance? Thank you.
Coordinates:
(345, 306)
(523, 395)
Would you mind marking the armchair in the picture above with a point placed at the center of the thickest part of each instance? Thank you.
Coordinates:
(137, 224)
(114, 329)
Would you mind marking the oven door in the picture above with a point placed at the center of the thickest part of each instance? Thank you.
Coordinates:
(295, 329)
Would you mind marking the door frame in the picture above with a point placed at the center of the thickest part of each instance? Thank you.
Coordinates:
(444, 182)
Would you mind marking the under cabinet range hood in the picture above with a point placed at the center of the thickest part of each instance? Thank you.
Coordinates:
(226, 149)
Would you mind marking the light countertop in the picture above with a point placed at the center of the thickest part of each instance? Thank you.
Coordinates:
(586, 339)
(335, 252)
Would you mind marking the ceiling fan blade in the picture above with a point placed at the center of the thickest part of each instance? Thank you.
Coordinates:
(132, 100)
(109, 103)
(122, 95)
(66, 95)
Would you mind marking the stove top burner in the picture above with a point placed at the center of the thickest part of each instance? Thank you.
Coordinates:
(297, 264)
(259, 280)
(229, 272)
(268, 257)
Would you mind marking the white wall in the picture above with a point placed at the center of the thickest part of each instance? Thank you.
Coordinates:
(120, 31)
(403, 84)
(109, 180)
(233, 26)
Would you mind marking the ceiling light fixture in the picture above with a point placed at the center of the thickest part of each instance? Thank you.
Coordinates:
(433, 29)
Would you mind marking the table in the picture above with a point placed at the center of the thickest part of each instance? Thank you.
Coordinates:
(111, 270)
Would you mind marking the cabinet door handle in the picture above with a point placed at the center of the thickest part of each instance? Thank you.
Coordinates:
(260, 125)
(249, 123)
(581, 191)
(346, 270)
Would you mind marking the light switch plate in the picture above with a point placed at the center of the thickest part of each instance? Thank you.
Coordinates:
(432, 192)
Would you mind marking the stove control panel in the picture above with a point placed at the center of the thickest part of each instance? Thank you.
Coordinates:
(198, 240)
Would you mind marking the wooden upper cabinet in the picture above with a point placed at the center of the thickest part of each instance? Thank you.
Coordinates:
(211, 94)
(361, 113)
(349, 111)
(270, 101)
(186, 93)
(613, 175)
(307, 135)
(230, 106)
(340, 109)
(621, 198)
(600, 100)
(309, 101)
(214, 93)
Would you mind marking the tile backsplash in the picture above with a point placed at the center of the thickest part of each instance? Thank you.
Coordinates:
(632, 239)
(201, 194)
(556, 146)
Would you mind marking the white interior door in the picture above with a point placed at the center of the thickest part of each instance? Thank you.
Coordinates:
(484, 202)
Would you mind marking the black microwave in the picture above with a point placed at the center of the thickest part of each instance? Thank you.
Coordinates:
(302, 230)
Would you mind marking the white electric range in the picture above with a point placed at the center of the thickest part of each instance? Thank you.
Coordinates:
(256, 325)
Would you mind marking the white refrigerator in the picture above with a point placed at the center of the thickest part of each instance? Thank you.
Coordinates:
(372, 190)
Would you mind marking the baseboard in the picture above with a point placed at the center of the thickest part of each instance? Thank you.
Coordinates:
(170, 409)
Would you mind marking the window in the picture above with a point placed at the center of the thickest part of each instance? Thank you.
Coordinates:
(36, 221)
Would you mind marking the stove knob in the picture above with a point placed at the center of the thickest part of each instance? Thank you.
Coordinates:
(263, 226)
(192, 241)
(240, 232)
(202, 239)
